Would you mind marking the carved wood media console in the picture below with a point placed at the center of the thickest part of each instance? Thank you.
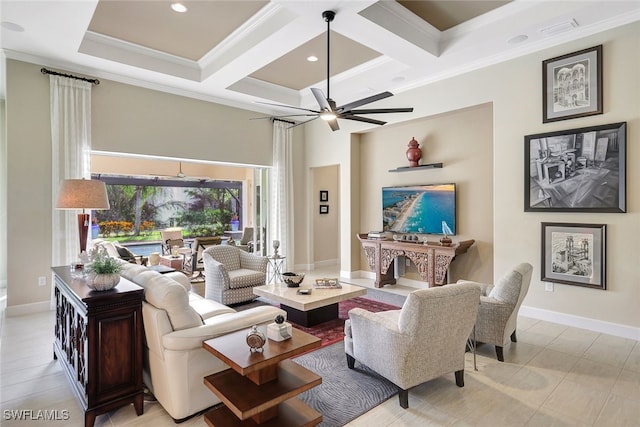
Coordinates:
(432, 260)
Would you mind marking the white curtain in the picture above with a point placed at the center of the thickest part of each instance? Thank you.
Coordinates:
(281, 191)
(71, 145)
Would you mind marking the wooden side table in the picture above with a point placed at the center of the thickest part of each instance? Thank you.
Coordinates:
(98, 341)
(260, 387)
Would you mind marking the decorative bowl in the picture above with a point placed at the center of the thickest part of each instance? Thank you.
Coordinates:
(292, 280)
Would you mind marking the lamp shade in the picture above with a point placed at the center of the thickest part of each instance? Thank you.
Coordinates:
(82, 194)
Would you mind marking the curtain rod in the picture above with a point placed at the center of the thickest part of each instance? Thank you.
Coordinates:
(282, 120)
(71, 76)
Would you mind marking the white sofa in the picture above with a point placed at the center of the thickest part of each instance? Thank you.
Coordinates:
(176, 322)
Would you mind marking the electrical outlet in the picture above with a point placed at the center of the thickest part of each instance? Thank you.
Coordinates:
(42, 281)
(548, 286)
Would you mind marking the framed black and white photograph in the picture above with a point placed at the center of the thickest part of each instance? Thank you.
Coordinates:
(574, 254)
(576, 170)
(324, 196)
(572, 85)
(324, 209)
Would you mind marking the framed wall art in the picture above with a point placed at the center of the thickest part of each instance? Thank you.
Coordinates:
(574, 254)
(572, 85)
(576, 170)
(324, 209)
(324, 196)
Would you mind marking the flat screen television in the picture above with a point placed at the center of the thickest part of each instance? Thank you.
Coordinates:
(422, 209)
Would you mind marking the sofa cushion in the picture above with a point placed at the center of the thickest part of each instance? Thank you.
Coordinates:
(166, 294)
(208, 308)
(242, 278)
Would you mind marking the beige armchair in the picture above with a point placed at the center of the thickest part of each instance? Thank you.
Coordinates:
(231, 273)
(422, 341)
(499, 305)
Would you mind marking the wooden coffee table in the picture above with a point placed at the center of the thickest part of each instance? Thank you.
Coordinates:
(260, 387)
(319, 306)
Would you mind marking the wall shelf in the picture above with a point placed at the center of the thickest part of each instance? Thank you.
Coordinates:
(415, 168)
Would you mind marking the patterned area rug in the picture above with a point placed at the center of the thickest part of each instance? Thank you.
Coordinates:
(333, 331)
(345, 393)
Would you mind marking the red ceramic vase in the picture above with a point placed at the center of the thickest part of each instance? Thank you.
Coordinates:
(414, 153)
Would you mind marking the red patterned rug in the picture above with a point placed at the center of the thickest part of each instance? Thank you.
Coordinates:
(333, 331)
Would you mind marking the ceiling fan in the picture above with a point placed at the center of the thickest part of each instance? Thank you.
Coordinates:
(328, 110)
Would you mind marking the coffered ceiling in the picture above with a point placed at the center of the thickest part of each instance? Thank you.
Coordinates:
(241, 53)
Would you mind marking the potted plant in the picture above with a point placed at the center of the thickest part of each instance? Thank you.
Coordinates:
(103, 272)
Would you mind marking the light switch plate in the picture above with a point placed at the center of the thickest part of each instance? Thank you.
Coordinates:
(548, 286)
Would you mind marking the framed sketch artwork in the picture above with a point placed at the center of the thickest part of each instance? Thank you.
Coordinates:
(574, 254)
(576, 170)
(572, 85)
(324, 195)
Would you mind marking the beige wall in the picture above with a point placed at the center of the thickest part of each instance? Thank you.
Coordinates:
(467, 154)
(514, 90)
(124, 119)
(326, 227)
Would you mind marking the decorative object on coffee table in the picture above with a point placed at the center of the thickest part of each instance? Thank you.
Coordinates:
(255, 339)
(279, 330)
(292, 280)
(414, 153)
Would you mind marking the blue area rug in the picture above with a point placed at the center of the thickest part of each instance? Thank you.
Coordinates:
(345, 393)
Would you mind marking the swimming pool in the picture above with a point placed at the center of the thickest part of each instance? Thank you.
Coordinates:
(144, 248)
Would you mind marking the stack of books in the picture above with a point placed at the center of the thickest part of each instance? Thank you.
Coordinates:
(378, 235)
(327, 284)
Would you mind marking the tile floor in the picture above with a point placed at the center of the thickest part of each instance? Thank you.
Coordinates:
(553, 376)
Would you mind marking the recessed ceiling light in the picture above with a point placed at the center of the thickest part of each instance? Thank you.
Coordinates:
(518, 39)
(398, 79)
(178, 7)
(312, 58)
(11, 26)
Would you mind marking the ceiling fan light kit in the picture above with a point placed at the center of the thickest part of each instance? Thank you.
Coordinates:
(328, 110)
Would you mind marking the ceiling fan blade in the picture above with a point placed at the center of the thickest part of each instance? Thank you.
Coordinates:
(380, 111)
(363, 119)
(288, 106)
(333, 124)
(364, 101)
(322, 101)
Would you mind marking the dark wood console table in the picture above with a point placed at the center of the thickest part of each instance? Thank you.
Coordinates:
(98, 341)
(431, 259)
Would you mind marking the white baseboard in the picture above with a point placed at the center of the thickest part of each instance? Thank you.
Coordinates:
(361, 274)
(595, 325)
(325, 263)
(35, 307)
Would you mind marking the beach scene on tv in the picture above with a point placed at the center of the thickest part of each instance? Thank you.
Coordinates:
(423, 209)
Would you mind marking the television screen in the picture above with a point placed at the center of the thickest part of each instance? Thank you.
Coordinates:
(425, 209)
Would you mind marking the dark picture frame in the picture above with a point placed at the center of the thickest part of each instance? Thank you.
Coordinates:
(576, 170)
(572, 85)
(574, 254)
(324, 209)
(324, 196)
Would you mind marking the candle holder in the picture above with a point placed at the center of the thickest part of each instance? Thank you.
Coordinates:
(276, 245)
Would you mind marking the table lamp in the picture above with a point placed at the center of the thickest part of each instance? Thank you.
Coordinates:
(82, 194)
